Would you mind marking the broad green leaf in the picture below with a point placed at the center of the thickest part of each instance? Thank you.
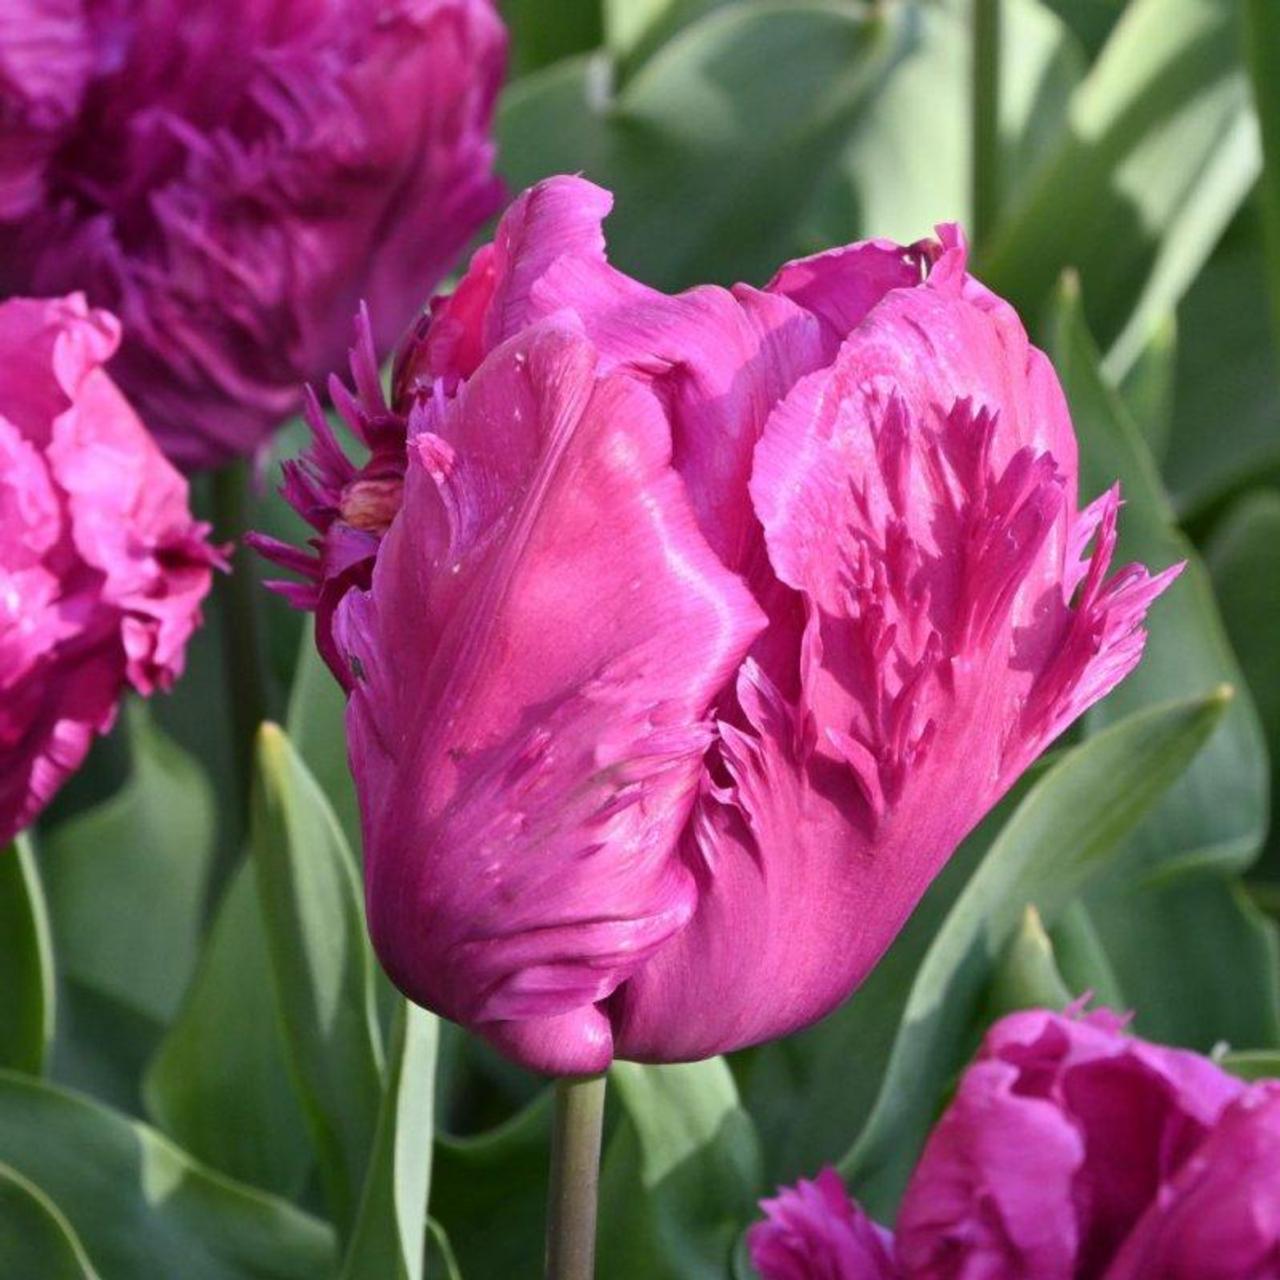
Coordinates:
(35, 1237)
(1160, 150)
(322, 965)
(316, 724)
(715, 144)
(543, 33)
(681, 1174)
(1073, 822)
(1215, 817)
(1253, 1064)
(1147, 388)
(885, 183)
(1217, 813)
(1027, 975)
(1082, 959)
(1244, 562)
(1091, 21)
(389, 1239)
(126, 884)
(26, 962)
(220, 1084)
(1199, 962)
(1226, 403)
(140, 1206)
(440, 1256)
(1262, 56)
(489, 1193)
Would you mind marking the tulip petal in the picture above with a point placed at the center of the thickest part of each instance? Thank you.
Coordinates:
(912, 495)
(533, 666)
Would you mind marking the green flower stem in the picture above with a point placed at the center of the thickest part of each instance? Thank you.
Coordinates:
(575, 1178)
(985, 91)
(1262, 57)
(241, 640)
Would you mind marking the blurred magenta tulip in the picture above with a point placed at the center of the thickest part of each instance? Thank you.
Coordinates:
(1218, 1217)
(230, 177)
(814, 1231)
(689, 635)
(1071, 1151)
(102, 568)
(1063, 1133)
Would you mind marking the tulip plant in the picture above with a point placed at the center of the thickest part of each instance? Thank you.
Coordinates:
(751, 761)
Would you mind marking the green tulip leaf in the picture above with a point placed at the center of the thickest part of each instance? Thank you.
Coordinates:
(389, 1239)
(1147, 390)
(27, 995)
(141, 1206)
(885, 183)
(1215, 818)
(1082, 959)
(1218, 971)
(220, 1083)
(681, 1173)
(1262, 56)
(126, 884)
(1226, 401)
(35, 1237)
(1027, 976)
(1160, 150)
(544, 33)
(1253, 1064)
(1244, 562)
(1217, 814)
(322, 963)
(495, 1177)
(715, 143)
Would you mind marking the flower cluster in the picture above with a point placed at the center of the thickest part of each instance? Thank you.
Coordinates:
(1070, 1152)
(230, 177)
(102, 569)
(685, 637)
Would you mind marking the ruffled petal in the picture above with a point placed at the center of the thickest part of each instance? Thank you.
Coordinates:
(912, 499)
(533, 665)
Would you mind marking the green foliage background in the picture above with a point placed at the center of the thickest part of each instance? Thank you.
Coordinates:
(202, 1072)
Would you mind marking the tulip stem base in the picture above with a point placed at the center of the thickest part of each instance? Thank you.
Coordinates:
(575, 1178)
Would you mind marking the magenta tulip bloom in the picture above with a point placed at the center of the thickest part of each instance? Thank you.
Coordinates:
(1062, 1134)
(813, 1231)
(688, 636)
(102, 568)
(1218, 1218)
(230, 177)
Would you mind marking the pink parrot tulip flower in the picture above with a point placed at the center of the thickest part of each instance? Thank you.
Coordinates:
(102, 568)
(230, 177)
(686, 637)
(814, 1231)
(1071, 1151)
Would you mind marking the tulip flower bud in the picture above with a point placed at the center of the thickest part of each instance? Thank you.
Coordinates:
(707, 628)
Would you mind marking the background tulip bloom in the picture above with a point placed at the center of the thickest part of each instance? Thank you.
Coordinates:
(1071, 1151)
(814, 1230)
(1218, 1217)
(706, 628)
(231, 176)
(1062, 1134)
(102, 568)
